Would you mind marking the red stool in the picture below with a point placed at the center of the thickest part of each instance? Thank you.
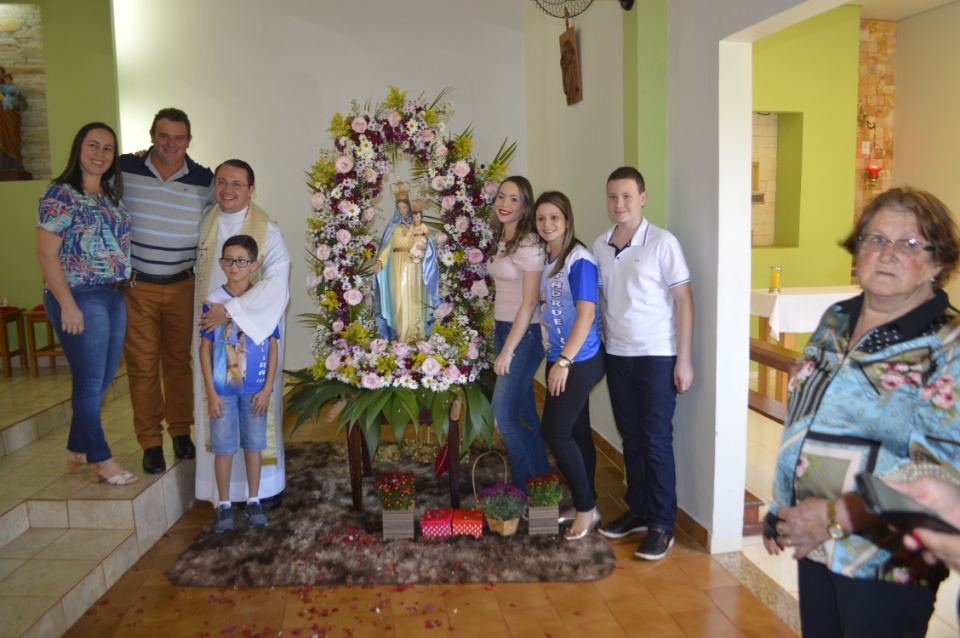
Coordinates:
(51, 350)
(10, 315)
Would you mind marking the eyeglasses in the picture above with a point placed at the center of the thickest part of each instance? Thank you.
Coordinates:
(226, 262)
(876, 244)
(222, 183)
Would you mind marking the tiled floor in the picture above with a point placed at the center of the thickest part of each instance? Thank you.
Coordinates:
(686, 594)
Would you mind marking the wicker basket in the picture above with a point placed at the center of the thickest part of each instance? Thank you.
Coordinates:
(504, 528)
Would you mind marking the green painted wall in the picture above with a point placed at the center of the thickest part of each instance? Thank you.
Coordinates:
(645, 101)
(811, 69)
(81, 79)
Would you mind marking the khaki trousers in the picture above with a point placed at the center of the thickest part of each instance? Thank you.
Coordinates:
(159, 333)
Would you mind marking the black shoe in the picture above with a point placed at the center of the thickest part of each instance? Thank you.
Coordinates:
(183, 447)
(153, 461)
(626, 524)
(655, 545)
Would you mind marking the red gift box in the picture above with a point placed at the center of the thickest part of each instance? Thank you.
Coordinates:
(436, 522)
(468, 522)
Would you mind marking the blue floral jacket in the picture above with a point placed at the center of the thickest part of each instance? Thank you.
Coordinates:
(856, 409)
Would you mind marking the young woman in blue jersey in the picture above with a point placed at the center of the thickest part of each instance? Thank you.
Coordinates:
(570, 322)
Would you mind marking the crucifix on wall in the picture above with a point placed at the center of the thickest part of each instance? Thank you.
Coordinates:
(570, 66)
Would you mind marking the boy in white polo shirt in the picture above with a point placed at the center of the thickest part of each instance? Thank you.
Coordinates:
(648, 331)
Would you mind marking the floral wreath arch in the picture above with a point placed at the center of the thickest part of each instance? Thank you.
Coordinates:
(353, 366)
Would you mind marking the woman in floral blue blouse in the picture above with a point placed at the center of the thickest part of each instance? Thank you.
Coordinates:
(877, 393)
(83, 245)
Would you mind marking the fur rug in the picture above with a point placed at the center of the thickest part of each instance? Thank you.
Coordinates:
(314, 538)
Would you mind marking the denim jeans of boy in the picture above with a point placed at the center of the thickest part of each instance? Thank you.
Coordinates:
(239, 427)
(94, 355)
(515, 407)
(643, 397)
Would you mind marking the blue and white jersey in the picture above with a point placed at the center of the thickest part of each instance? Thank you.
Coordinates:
(578, 280)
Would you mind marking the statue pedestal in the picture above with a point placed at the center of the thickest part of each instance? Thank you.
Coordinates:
(15, 175)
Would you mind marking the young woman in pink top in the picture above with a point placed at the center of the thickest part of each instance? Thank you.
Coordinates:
(515, 267)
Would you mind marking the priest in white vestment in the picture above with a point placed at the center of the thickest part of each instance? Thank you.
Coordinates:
(257, 312)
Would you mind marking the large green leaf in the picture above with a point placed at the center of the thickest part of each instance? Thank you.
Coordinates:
(439, 406)
(401, 409)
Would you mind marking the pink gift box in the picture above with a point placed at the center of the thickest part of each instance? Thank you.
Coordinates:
(437, 522)
(468, 522)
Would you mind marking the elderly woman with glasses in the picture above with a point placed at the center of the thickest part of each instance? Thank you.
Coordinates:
(877, 393)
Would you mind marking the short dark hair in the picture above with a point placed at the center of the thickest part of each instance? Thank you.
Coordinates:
(172, 114)
(933, 217)
(236, 163)
(628, 172)
(112, 178)
(246, 242)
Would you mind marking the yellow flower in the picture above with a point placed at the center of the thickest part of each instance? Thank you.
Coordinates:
(339, 125)
(396, 99)
(462, 146)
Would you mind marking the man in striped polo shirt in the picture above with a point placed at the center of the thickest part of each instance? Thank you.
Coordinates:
(165, 193)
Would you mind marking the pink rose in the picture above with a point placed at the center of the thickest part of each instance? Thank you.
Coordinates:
(440, 238)
(891, 381)
(369, 175)
(490, 189)
(338, 326)
(442, 310)
(333, 361)
(317, 200)
(928, 392)
(447, 202)
(461, 169)
(343, 164)
(370, 381)
(344, 236)
(377, 346)
(945, 400)
(330, 273)
(430, 366)
(472, 352)
(344, 206)
(393, 119)
(369, 214)
(425, 347)
(359, 124)
(426, 135)
(322, 252)
(353, 297)
(452, 372)
(313, 279)
(474, 256)
(438, 183)
(401, 349)
(479, 288)
(945, 382)
(442, 151)
(462, 224)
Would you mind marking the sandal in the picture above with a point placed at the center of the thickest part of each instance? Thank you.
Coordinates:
(111, 472)
(74, 461)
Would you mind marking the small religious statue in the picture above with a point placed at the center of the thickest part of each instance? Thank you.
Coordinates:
(406, 273)
(12, 105)
(570, 67)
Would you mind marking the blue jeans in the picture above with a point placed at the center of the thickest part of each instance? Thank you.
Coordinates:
(643, 396)
(94, 355)
(566, 429)
(238, 418)
(515, 407)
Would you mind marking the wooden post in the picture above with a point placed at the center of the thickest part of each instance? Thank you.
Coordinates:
(354, 453)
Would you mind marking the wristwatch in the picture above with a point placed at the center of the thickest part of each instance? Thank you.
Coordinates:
(563, 361)
(834, 529)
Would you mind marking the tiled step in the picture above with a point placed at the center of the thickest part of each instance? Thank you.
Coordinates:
(64, 540)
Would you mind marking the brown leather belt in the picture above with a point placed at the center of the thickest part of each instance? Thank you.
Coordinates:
(139, 277)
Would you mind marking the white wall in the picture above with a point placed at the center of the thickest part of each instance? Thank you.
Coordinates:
(261, 80)
(574, 148)
(926, 135)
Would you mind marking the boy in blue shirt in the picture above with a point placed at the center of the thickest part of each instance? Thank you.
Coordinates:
(238, 375)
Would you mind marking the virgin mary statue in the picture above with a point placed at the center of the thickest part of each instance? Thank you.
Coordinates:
(405, 287)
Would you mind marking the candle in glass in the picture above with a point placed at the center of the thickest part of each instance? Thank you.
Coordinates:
(775, 278)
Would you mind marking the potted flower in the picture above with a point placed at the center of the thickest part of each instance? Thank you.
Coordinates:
(545, 492)
(503, 505)
(397, 493)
